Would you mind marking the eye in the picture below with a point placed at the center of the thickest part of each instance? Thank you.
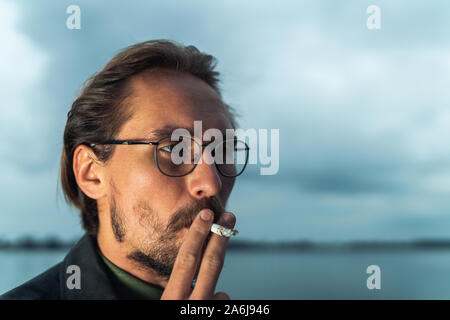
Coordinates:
(168, 148)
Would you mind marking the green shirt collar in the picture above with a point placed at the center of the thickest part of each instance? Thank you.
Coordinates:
(132, 287)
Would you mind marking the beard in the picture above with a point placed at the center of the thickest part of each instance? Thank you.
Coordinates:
(159, 247)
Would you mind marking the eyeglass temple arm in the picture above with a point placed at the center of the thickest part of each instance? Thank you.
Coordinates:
(119, 142)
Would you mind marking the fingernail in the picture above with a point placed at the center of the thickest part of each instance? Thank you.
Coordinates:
(206, 215)
(229, 218)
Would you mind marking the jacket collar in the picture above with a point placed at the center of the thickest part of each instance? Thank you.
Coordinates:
(96, 282)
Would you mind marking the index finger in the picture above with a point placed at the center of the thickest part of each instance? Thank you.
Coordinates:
(180, 281)
(212, 261)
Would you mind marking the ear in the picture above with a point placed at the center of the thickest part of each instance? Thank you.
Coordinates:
(89, 172)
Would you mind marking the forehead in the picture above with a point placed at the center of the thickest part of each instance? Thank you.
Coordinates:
(169, 99)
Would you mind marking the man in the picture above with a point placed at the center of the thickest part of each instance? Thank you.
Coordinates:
(147, 220)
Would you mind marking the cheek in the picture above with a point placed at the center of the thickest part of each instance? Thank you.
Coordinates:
(135, 173)
(143, 189)
(143, 186)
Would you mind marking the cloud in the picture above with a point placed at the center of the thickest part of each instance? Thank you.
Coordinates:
(363, 115)
(22, 126)
(28, 174)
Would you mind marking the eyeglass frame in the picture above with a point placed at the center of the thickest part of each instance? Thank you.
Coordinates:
(131, 142)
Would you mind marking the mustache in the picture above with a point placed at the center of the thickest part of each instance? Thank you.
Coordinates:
(185, 216)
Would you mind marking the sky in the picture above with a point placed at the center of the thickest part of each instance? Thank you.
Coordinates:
(363, 114)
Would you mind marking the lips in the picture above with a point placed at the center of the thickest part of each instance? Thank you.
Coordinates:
(188, 225)
(184, 217)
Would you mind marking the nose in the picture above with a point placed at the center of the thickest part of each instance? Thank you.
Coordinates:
(204, 181)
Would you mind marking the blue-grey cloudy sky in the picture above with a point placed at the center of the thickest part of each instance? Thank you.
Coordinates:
(363, 114)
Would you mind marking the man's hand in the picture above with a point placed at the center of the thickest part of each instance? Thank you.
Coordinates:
(189, 256)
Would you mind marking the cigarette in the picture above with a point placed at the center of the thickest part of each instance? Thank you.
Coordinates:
(222, 231)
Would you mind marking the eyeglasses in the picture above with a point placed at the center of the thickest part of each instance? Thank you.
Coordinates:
(179, 158)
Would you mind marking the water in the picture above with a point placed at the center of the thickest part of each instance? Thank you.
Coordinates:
(290, 275)
(338, 275)
(16, 267)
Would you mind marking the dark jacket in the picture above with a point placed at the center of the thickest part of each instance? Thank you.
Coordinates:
(97, 282)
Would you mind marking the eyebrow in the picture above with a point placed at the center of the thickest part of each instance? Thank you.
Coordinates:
(158, 133)
(164, 132)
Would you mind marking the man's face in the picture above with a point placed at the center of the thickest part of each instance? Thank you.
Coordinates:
(149, 211)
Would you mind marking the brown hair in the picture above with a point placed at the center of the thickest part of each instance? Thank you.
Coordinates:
(99, 112)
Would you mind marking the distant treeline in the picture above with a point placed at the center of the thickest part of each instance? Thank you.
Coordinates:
(28, 243)
(358, 245)
(31, 243)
